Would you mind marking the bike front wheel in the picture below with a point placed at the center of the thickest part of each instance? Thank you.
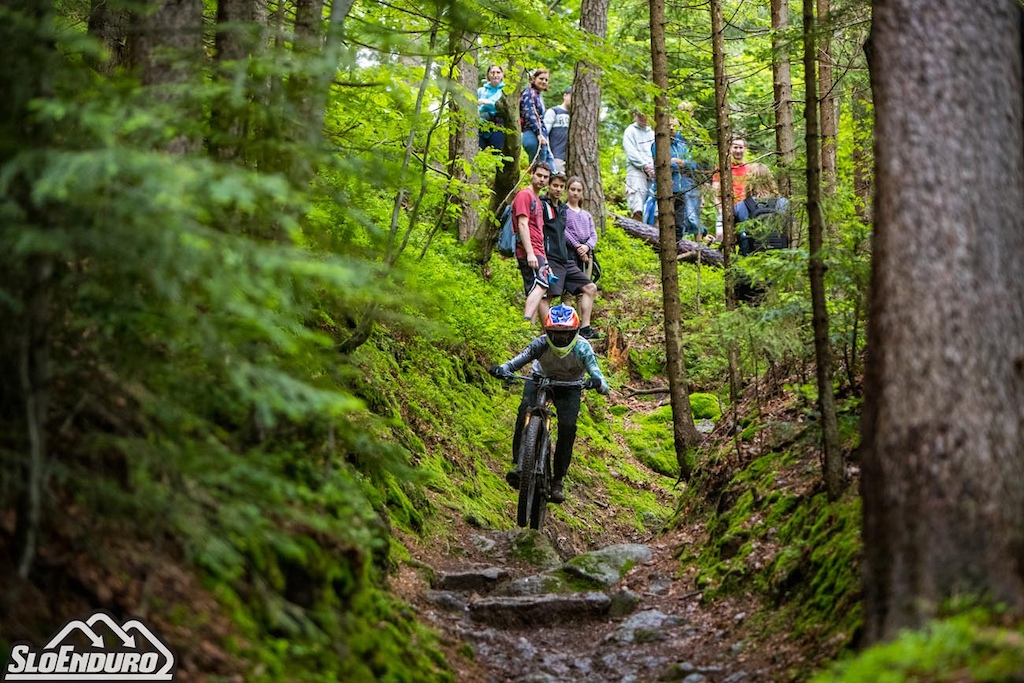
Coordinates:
(532, 486)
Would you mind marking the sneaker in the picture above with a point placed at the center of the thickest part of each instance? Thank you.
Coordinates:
(512, 478)
(589, 332)
(557, 495)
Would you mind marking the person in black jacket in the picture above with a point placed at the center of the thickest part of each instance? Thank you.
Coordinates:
(567, 274)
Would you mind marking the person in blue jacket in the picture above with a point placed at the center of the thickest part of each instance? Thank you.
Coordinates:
(491, 132)
(561, 354)
(685, 193)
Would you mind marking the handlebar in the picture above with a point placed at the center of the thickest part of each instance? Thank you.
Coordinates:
(579, 383)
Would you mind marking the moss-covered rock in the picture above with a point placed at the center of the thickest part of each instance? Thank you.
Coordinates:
(608, 565)
(705, 407)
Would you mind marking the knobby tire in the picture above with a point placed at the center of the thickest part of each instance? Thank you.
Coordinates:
(532, 497)
(540, 507)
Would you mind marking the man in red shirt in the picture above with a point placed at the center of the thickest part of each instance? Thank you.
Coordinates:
(533, 264)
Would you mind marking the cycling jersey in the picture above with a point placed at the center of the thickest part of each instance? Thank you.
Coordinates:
(569, 368)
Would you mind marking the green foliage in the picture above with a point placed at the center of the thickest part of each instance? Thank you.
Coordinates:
(974, 646)
(195, 319)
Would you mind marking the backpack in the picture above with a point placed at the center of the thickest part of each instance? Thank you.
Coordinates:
(766, 229)
(508, 236)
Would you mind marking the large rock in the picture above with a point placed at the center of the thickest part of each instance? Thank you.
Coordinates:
(644, 627)
(538, 584)
(535, 548)
(483, 579)
(605, 567)
(537, 610)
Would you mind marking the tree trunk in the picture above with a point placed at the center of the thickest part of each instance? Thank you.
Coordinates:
(34, 371)
(308, 89)
(239, 29)
(827, 103)
(108, 23)
(463, 143)
(165, 42)
(682, 250)
(165, 45)
(584, 157)
(723, 141)
(943, 427)
(725, 183)
(26, 277)
(782, 86)
(832, 459)
(684, 432)
(240, 34)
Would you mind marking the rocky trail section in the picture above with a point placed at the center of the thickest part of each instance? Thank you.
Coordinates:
(512, 610)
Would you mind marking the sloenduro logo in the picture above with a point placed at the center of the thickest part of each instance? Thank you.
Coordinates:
(137, 654)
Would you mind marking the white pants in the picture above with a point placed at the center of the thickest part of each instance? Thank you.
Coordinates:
(637, 185)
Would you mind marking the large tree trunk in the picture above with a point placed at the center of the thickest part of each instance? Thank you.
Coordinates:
(832, 458)
(165, 45)
(463, 143)
(827, 103)
(684, 431)
(307, 89)
(108, 23)
(240, 34)
(165, 42)
(782, 86)
(584, 157)
(943, 429)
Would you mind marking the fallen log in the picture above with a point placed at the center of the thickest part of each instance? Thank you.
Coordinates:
(687, 250)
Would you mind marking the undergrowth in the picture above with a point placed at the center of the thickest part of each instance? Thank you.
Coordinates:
(976, 646)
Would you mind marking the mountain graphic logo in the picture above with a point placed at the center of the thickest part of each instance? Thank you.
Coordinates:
(96, 649)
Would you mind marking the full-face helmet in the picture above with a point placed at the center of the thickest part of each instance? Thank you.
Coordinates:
(562, 327)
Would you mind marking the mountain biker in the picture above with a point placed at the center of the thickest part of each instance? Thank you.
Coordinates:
(560, 354)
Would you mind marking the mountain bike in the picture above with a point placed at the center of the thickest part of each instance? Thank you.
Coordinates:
(537, 451)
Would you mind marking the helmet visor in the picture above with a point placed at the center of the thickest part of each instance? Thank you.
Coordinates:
(562, 338)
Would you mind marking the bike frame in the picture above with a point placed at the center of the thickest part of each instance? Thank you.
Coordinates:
(536, 452)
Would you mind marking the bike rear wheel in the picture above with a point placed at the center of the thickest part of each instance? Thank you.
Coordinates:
(532, 488)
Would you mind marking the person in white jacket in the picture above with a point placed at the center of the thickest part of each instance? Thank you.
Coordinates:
(636, 142)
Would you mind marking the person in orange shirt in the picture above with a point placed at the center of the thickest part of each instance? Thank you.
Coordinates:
(740, 169)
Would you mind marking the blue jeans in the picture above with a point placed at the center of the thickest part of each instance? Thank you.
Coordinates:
(530, 144)
(690, 223)
(492, 137)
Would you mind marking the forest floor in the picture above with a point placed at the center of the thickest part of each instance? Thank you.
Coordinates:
(673, 634)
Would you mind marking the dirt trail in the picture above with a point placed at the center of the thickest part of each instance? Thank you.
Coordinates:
(658, 626)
